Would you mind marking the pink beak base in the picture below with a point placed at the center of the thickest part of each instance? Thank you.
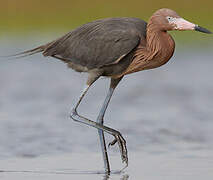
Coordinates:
(182, 24)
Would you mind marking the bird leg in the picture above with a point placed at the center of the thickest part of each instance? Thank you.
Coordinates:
(100, 120)
(112, 143)
(121, 141)
(101, 134)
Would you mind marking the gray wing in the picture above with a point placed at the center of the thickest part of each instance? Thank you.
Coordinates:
(99, 43)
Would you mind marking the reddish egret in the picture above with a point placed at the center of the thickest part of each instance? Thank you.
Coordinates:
(115, 47)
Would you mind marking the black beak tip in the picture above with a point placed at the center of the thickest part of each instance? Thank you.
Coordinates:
(201, 29)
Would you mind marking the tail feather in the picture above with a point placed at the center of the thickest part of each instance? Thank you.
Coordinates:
(28, 52)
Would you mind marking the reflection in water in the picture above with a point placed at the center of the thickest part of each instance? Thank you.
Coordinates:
(124, 177)
(105, 176)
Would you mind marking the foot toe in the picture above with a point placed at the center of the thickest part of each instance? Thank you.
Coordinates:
(112, 143)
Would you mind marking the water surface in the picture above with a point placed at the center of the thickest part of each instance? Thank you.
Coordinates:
(164, 114)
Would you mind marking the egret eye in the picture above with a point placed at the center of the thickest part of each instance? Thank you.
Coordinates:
(169, 18)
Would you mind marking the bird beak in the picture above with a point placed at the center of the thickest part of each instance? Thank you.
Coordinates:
(201, 29)
(182, 24)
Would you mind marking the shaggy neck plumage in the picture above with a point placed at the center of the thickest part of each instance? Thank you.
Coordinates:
(159, 42)
(156, 51)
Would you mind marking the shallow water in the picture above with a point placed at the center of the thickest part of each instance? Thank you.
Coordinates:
(171, 165)
(164, 114)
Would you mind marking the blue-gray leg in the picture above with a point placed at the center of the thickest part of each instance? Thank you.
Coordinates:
(100, 120)
(118, 137)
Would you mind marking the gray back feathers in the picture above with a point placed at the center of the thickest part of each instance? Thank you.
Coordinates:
(98, 43)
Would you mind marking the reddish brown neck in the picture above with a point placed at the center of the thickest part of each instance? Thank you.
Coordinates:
(159, 42)
(156, 51)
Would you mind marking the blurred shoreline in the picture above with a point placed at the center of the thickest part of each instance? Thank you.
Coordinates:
(22, 17)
